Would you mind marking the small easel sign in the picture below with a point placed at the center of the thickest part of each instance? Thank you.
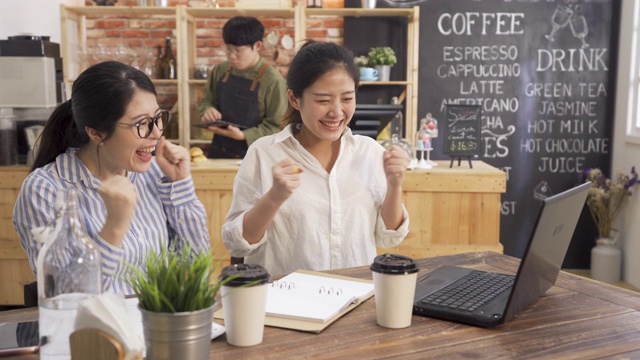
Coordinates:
(462, 132)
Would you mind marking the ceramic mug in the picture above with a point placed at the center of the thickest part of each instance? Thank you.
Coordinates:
(271, 40)
(368, 74)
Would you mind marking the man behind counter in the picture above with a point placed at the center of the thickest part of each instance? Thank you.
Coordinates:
(244, 90)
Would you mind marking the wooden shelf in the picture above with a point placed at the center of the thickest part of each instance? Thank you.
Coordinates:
(121, 10)
(360, 12)
(230, 12)
(74, 38)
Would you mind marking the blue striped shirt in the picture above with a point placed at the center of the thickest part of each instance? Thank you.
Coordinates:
(162, 208)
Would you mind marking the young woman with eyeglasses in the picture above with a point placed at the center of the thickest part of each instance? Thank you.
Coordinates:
(101, 143)
(244, 90)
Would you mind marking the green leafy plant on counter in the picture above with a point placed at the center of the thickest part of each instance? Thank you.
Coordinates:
(382, 56)
(174, 282)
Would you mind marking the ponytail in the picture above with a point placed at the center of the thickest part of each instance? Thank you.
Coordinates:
(59, 133)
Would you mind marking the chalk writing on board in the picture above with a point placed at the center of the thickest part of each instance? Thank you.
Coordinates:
(462, 135)
(543, 74)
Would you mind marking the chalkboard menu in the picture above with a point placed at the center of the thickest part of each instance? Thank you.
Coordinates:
(543, 74)
(462, 130)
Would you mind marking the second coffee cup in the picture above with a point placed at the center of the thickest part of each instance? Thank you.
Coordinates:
(394, 285)
(244, 299)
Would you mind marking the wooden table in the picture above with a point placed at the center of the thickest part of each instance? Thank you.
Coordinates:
(578, 318)
(451, 211)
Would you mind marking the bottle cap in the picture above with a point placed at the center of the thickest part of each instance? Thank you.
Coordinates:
(244, 274)
(394, 264)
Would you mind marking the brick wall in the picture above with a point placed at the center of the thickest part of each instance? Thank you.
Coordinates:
(134, 39)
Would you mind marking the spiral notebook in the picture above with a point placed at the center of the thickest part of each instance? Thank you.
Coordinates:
(311, 301)
(311, 297)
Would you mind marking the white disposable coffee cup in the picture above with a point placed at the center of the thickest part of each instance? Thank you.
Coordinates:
(394, 284)
(244, 300)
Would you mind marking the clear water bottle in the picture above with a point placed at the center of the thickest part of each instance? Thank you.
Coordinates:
(68, 273)
(8, 138)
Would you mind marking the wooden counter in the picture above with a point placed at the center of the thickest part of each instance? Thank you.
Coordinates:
(452, 210)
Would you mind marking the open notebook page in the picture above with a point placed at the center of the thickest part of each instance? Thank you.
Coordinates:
(313, 297)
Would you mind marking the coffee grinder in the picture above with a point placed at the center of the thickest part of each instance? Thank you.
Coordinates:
(31, 84)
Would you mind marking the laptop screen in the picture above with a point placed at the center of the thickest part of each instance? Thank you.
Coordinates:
(547, 247)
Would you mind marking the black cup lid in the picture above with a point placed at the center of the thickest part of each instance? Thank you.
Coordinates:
(245, 274)
(394, 264)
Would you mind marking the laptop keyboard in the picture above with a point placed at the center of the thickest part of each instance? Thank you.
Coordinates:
(471, 291)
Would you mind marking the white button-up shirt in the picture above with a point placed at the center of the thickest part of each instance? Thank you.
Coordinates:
(331, 221)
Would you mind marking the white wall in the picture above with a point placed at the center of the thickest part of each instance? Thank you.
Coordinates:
(626, 152)
(34, 17)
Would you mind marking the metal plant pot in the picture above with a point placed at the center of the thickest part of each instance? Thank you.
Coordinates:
(384, 72)
(185, 335)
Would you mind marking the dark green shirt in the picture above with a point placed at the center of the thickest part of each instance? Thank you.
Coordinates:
(272, 96)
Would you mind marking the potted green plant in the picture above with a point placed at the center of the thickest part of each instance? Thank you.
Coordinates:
(176, 298)
(382, 58)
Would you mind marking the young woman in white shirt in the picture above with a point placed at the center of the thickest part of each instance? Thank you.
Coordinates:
(314, 196)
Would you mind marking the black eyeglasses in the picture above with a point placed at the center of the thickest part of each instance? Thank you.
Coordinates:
(145, 126)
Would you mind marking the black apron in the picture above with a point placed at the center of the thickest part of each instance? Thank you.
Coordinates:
(238, 103)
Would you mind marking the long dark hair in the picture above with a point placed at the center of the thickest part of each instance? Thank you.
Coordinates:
(313, 60)
(99, 98)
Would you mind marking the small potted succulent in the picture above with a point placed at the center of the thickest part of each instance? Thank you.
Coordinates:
(382, 58)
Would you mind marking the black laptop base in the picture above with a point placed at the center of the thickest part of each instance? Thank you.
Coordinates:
(486, 315)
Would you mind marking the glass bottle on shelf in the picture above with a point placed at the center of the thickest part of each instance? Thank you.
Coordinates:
(171, 132)
(159, 59)
(69, 271)
(147, 60)
(397, 123)
(169, 66)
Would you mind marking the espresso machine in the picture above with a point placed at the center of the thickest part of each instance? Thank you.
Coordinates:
(31, 84)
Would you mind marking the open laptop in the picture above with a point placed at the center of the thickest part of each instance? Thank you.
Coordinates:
(505, 295)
